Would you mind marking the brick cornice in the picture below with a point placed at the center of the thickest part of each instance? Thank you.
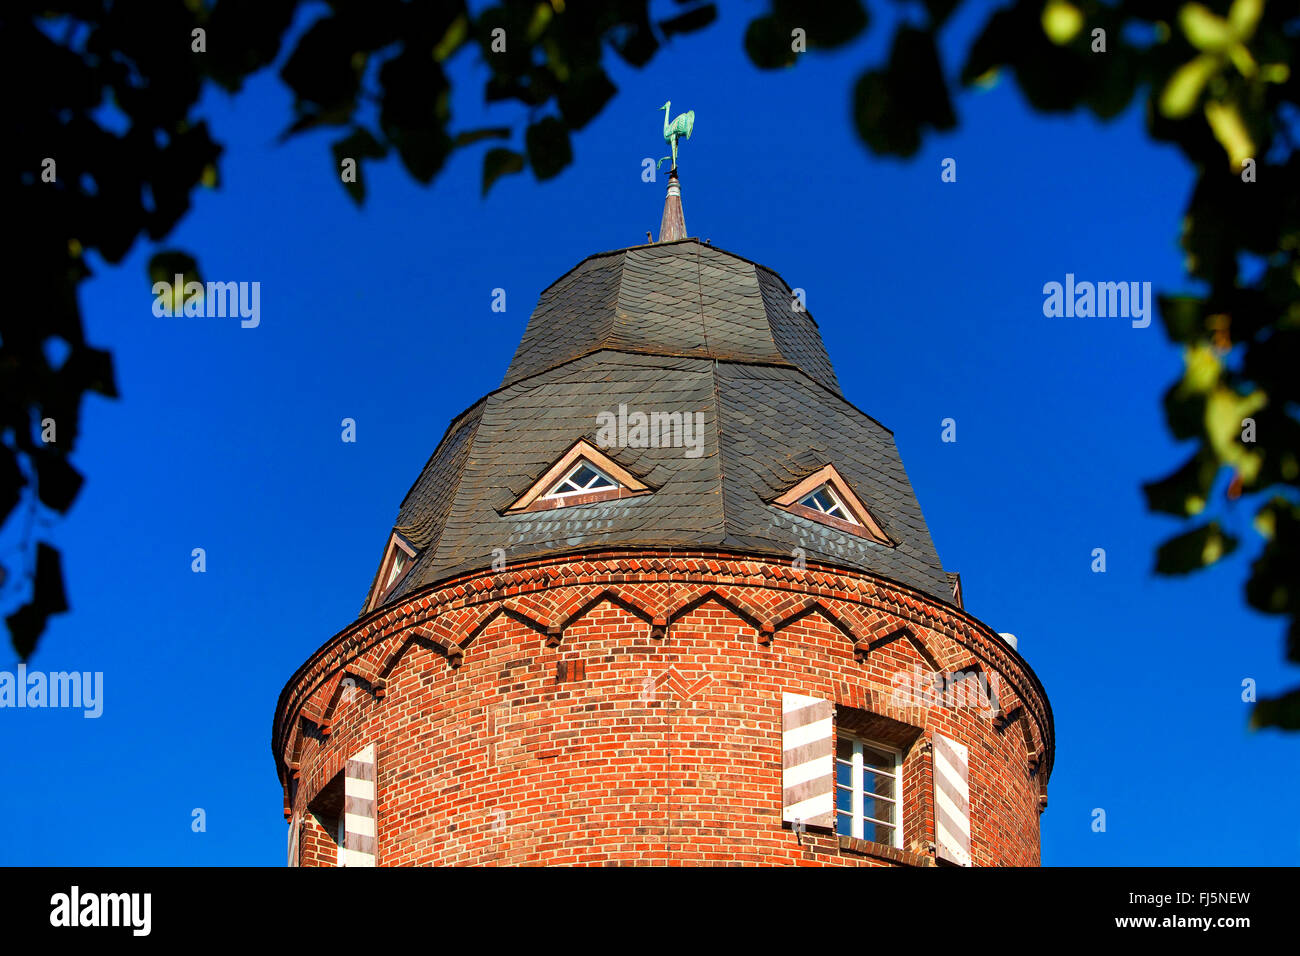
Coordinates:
(450, 613)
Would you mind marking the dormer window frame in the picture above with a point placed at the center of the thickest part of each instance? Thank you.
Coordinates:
(860, 523)
(587, 489)
(845, 513)
(386, 583)
(542, 494)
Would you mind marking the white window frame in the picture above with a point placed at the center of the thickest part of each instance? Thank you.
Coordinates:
(568, 476)
(846, 513)
(856, 816)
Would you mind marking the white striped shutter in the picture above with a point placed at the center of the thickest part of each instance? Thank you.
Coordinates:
(951, 801)
(807, 760)
(293, 840)
(359, 809)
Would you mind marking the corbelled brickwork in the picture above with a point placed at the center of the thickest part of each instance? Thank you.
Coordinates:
(626, 708)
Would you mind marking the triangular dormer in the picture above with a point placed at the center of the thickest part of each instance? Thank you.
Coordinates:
(584, 475)
(399, 558)
(826, 497)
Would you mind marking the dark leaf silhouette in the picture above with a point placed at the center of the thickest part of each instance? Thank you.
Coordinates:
(48, 599)
(500, 162)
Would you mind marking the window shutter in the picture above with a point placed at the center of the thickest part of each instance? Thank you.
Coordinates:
(951, 801)
(359, 809)
(807, 760)
(293, 840)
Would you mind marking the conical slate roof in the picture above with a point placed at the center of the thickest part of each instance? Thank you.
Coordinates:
(676, 327)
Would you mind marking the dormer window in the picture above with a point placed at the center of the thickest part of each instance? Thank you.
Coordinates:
(397, 563)
(397, 567)
(583, 479)
(827, 502)
(825, 497)
(584, 475)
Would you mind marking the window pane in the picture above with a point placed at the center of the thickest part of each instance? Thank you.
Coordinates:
(844, 824)
(878, 832)
(877, 758)
(583, 478)
(819, 500)
(882, 785)
(395, 571)
(844, 799)
(880, 809)
(843, 773)
(844, 749)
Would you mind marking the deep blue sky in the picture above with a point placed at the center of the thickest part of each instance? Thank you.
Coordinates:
(929, 299)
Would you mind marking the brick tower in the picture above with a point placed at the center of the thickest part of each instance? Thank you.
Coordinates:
(664, 597)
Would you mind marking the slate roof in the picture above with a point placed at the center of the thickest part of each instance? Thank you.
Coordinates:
(673, 327)
(677, 298)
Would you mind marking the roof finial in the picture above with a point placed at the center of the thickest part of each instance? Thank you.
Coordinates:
(673, 225)
(681, 126)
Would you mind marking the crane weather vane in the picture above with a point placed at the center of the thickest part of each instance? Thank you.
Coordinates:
(680, 126)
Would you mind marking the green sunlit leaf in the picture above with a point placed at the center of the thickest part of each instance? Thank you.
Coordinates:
(1244, 16)
(1230, 131)
(1184, 88)
(1204, 30)
(1062, 21)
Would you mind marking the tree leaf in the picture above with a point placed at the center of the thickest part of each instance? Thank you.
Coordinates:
(471, 136)
(321, 70)
(357, 145)
(768, 44)
(164, 266)
(500, 162)
(57, 482)
(1184, 87)
(414, 111)
(86, 370)
(1230, 131)
(584, 96)
(1194, 550)
(1244, 16)
(1204, 30)
(453, 39)
(1281, 712)
(1062, 21)
(689, 21)
(547, 142)
(1183, 317)
(48, 598)
(1225, 410)
(1185, 491)
(1272, 587)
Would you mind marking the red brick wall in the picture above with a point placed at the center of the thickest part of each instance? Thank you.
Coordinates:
(662, 745)
(316, 847)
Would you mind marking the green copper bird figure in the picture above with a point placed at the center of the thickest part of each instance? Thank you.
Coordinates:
(681, 126)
